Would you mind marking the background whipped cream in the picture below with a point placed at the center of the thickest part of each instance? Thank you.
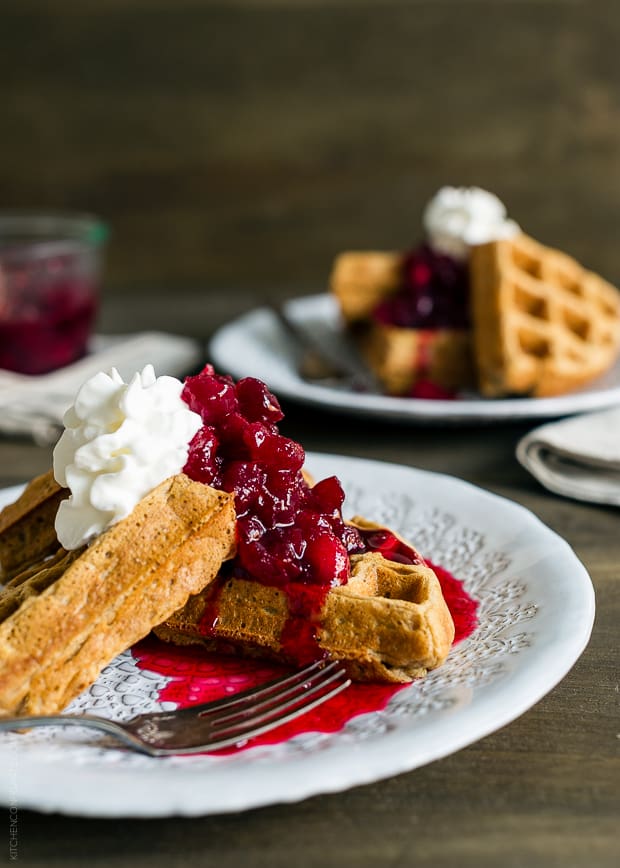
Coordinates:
(120, 441)
(457, 218)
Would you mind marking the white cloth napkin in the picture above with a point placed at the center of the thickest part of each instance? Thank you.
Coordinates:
(36, 405)
(577, 457)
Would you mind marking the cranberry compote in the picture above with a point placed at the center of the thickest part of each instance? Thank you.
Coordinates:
(193, 677)
(289, 534)
(390, 546)
(434, 293)
(48, 331)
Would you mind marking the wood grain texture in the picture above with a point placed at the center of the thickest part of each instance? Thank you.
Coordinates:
(244, 144)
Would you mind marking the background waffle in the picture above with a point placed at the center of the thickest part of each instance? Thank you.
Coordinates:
(543, 325)
(388, 623)
(398, 357)
(401, 357)
(62, 622)
(360, 280)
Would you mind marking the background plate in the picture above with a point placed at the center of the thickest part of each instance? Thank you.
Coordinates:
(257, 345)
(536, 613)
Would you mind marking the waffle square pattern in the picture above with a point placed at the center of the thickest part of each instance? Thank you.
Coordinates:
(542, 324)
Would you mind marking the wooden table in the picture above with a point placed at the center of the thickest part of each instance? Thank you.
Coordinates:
(542, 791)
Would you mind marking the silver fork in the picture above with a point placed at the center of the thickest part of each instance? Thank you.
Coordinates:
(328, 357)
(212, 725)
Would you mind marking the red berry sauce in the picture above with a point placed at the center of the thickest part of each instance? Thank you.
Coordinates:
(48, 306)
(428, 390)
(390, 546)
(434, 293)
(198, 677)
(50, 333)
(289, 535)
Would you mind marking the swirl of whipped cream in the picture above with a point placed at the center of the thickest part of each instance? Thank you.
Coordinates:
(457, 218)
(120, 441)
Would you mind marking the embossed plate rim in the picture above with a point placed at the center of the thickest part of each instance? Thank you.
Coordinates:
(268, 355)
(538, 606)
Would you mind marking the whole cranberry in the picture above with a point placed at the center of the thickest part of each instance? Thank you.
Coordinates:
(211, 395)
(203, 464)
(256, 402)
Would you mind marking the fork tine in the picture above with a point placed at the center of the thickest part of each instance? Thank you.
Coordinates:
(236, 720)
(248, 697)
(238, 738)
(282, 697)
(289, 710)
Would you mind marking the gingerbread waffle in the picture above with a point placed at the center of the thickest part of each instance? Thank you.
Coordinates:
(27, 526)
(399, 357)
(360, 280)
(542, 324)
(389, 623)
(402, 357)
(62, 621)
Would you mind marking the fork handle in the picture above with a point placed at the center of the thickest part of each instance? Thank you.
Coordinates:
(88, 720)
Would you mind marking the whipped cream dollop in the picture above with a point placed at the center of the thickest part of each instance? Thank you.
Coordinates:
(120, 441)
(457, 218)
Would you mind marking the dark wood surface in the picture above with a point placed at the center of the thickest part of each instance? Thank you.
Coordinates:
(234, 149)
(245, 143)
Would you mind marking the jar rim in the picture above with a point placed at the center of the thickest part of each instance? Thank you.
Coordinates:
(32, 228)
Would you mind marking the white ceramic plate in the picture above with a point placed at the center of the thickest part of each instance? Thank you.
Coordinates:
(535, 617)
(257, 345)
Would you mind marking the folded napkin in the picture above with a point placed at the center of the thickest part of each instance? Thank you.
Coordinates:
(577, 457)
(36, 405)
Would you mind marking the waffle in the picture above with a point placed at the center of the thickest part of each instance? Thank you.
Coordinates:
(27, 526)
(388, 623)
(62, 621)
(401, 357)
(398, 357)
(543, 325)
(360, 280)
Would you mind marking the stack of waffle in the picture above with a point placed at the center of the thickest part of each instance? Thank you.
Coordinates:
(65, 615)
(541, 324)
(388, 623)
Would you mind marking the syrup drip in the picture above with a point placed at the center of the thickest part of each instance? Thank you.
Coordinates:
(298, 638)
(305, 601)
(424, 386)
(198, 677)
(424, 353)
(390, 546)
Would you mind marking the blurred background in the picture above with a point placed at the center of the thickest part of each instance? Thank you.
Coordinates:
(235, 148)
